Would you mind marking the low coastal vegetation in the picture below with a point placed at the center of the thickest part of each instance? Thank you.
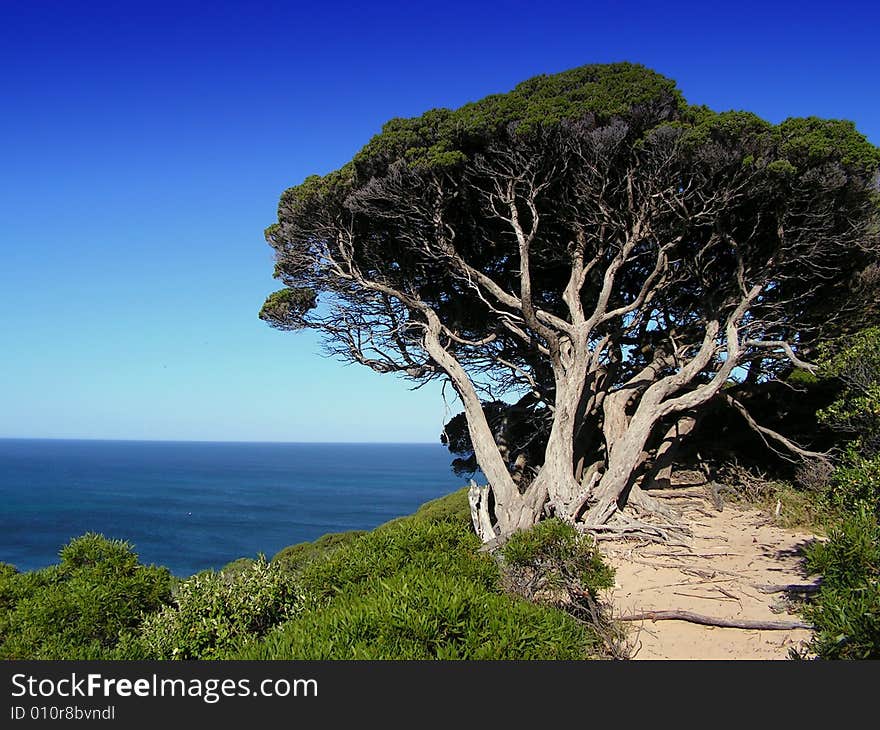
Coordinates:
(846, 612)
(418, 589)
(78, 608)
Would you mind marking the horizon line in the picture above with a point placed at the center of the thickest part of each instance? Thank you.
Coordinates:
(216, 441)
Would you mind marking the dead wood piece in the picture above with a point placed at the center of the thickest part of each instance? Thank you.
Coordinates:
(695, 555)
(687, 570)
(703, 597)
(789, 588)
(663, 494)
(726, 623)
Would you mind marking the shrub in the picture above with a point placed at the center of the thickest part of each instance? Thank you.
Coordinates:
(441, 547)
(454, 507)
(552, 556)
(814, 475)
(450, 508)
(855, 483)
(78, 608)
(418, 588)
(846, 612)
(553, 564)
(417, 615)
(294, 557)
(855, 361)
(214, 611)
(240, 565)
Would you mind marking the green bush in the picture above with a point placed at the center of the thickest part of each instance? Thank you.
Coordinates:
(428, 547)
(855, 483)
(855, 361)
(78, 608)
(212, 612)
(454, 507)
(294, 557)
(552, 555)
(415, 615)
(846, 612)
(418, 588)
(415, 588)
(240, 565)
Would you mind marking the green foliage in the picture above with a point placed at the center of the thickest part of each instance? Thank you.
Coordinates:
(9, 590)
(855, 360)
(78, 608)
(846, 613)
(810, 140)
(801, 377)
(416, 615)
(285, 308)
(294, 557)
(417, 588)
(444, 138)
(554, 552)
(237, 566)
(453, 507)
(212, 612)
(702, 126)
(414, 588)
(423, 546)
(855, 484)
(852, 553)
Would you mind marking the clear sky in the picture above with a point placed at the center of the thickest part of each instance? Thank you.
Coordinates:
(143, 147)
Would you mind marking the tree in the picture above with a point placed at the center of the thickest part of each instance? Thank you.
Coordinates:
(593, 248)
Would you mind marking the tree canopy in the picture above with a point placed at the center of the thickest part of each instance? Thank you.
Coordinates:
(589, 261)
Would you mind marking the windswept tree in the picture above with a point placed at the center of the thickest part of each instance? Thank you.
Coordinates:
(588, 261)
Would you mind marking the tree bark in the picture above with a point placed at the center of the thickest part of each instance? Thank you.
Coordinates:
(511, 510)
(660, 476)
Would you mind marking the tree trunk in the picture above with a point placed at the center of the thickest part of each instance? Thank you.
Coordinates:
(624, 456)
(557, 474)
(660, 476)
(507, 510)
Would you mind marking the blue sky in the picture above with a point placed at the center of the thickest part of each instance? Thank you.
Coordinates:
(144, 147)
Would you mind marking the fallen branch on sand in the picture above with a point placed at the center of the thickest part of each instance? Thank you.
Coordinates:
(789, 588)
(726, 623)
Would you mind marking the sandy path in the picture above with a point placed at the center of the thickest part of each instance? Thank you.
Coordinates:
(731, 553)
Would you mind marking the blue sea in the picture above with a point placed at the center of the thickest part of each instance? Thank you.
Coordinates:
(193, 505)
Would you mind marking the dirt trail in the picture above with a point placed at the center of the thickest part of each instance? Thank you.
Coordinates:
(732, 552)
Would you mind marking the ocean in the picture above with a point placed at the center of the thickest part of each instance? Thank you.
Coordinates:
(191, 506)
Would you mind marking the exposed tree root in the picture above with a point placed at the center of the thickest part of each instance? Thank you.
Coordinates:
(626, 527)
(727, 623)
(646, 503)
(666, 528)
